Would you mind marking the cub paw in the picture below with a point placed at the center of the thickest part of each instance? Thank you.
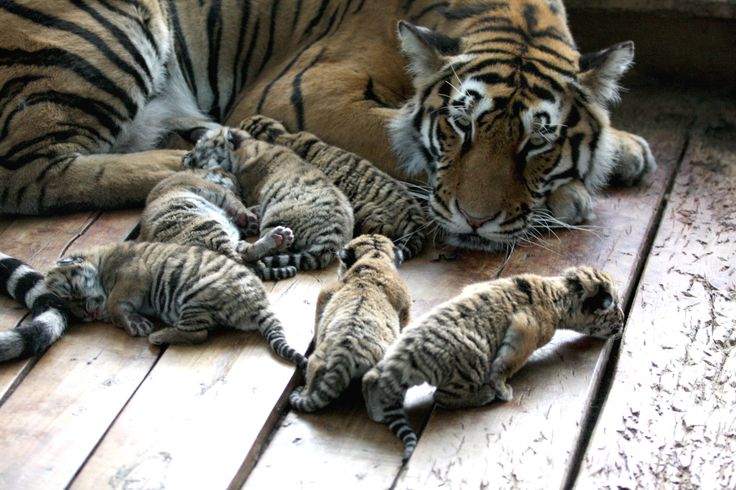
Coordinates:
(634, 160)
(263, 128)
(504, 392)
(245, 219)
(282, 238)
(571, 204)
(137, 325)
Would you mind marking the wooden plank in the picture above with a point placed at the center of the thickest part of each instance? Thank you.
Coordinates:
(528, 442)
(339, 447)
(39, 242)
(669, 418)
(58, 413)
(203, 411)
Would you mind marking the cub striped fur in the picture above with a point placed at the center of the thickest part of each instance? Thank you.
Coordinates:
(469, 346)
(357, 318)
(290, 193)
(50, 314)
(192, 289)
(202, 207)
(381, 204)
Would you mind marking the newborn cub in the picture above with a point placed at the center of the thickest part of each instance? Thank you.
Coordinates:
(357, 318)
(192, 289)
(381, 204)
(470, 345)
(202, 207)
(290, 192)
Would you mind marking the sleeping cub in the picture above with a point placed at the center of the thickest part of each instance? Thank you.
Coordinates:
(202, 207)
(290, 193)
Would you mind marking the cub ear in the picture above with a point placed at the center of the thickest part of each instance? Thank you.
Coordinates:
(73, 260)
(425, 49)
(347, 257)
(601, 71)
(398, 256)
(601, 300)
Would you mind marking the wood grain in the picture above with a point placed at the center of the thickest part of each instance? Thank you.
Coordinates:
(60, 410)
(39, 242)
(340, 447)
(529, 442)
(202, 412)
(669, 419)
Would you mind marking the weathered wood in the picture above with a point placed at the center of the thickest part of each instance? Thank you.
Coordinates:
(340, 447)
(202, 412)
(58, 413)
(39, 242)
(669, 418)
(528, 442)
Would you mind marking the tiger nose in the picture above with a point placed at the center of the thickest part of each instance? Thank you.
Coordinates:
(476, 222)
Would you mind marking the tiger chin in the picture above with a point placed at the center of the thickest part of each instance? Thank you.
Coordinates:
(469, 346)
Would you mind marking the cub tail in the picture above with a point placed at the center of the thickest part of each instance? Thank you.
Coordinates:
(305, 260)
(267, 273)
(50, 314)
(325, 384)
(384, 402)
(272, 330)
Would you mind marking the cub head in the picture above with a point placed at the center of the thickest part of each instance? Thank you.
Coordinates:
(215, 149)
(596, 308)
(219, 176)
(502, 116)
(76, 281)
(368, 246)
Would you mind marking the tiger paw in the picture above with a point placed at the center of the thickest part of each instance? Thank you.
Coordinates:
(634, 160)
(282, 238)
(137, 325)
(571, 204)
(504, 392)
(263, 128)
(244, 218)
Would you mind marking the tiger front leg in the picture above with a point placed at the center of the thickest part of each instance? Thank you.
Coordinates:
(123, 315)
(77, 182)
(633, 158)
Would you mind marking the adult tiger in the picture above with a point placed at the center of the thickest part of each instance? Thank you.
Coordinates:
(497, 107)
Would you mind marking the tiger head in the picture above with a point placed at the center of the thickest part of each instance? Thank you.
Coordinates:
(501, 119)
(595, 305)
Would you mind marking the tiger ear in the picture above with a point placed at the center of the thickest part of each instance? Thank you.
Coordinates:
(601, 71)
(425, 49)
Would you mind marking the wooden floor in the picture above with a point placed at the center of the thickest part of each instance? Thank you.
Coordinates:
(101, 409)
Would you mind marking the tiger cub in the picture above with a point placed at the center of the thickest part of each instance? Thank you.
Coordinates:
(357, 318)
(290, 193)
(202, 207)
(381, 204)
(192, 289)
(470, 345)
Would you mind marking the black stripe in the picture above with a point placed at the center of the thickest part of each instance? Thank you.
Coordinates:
(214, 39)
(25, 284)
(525, 287)
(180, 47)
(59, 58)
(7, 267)
(271, 36)
(296, 92)
(48, 301)
(55, 23)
